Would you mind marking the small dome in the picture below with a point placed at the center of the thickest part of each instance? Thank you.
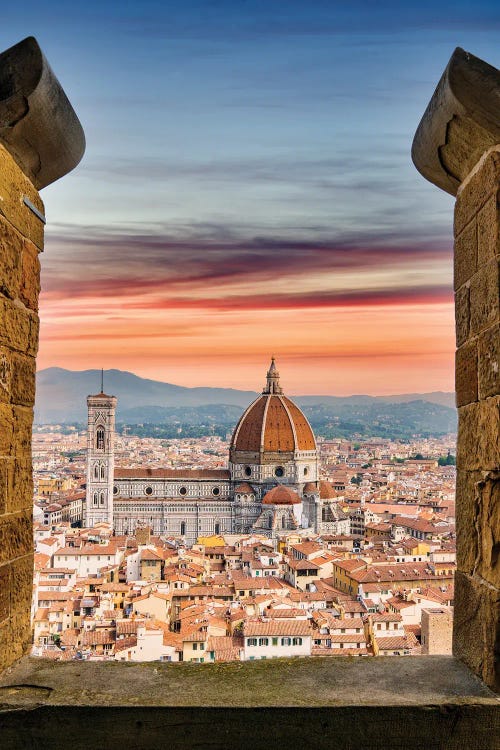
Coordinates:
(281, 495)
(310, 488)
(326, 491)
(245, 489)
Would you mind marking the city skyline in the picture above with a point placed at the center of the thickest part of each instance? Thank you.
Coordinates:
(248, 190)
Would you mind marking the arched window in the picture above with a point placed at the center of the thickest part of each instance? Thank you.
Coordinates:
(100, 439)
(96, 472)
(95, 499)
(183, 528)
(103, 473)
(283, 522)
(217, 528)
(270, 521)
(101, 499)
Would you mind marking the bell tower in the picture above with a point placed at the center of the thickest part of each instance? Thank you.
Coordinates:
(100, 458)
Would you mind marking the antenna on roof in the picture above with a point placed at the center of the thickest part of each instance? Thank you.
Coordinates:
(102, 380)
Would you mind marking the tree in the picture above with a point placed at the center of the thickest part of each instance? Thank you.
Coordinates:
(448, 460)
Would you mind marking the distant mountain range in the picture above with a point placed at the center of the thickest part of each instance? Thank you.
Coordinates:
(61, 398)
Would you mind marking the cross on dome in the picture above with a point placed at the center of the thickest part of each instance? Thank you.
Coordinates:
(273, 379)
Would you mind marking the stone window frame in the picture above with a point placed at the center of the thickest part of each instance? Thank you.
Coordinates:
(64, 124)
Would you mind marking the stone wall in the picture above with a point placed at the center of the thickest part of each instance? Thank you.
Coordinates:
(21, 240)
(477, 299)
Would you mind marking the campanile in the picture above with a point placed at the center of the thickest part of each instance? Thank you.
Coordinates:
(100, 458)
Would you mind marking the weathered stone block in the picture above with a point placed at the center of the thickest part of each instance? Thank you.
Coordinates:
(476, 627)
(21, 494)
(7, 468)
(489, 362)
(23, 380)
(466, 373)
(467, 500)
(11, 248)
(23, 423)
(21, 584)
(15, 325)
(488, 529)
(30, 276)
(15, 638)
(5, 654)
(15, 536)
(465, 256)
(484, 298)
(478, 445)
(14, 186)
(478, 524)
(33, 334)
(488, 237)
(4, 592)
(462, 314)
(474, 194)
(5, 373)
(6, 429)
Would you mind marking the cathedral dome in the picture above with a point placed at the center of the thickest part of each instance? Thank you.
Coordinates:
(281, 495)
(273, 423)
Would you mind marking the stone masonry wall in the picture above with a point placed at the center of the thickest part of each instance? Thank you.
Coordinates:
(21, 240)
(477, 300)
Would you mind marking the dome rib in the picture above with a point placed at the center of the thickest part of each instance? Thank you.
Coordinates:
(264, 422)
(250, 439)
(305, 440)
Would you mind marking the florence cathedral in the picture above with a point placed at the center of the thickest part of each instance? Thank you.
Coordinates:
(271, 485)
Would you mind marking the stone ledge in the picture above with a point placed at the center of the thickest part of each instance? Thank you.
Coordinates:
(409, 702)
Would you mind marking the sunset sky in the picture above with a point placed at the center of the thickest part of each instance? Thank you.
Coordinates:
(247, 190)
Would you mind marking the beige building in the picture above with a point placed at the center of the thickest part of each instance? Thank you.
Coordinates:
(437, 628)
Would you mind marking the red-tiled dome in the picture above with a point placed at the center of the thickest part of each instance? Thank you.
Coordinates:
(310, 488)
(281, 495)
(245, 488)
(273, 423)
(326, 491)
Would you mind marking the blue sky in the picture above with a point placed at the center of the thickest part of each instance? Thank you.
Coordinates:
(219, 134)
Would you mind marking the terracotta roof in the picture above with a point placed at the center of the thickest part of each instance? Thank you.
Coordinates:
(396, 642)
(127, 627)
(97, 637)
(303, 564)
(310, 488)
(307, 548)
(321, 651)
(277, 627)
(326, 490)
(386, 617)
(281, 495)
(225, 648)
(275, 424)
(285, 614)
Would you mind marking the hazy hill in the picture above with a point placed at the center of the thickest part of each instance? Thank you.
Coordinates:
(61, 394)
(61, 398)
